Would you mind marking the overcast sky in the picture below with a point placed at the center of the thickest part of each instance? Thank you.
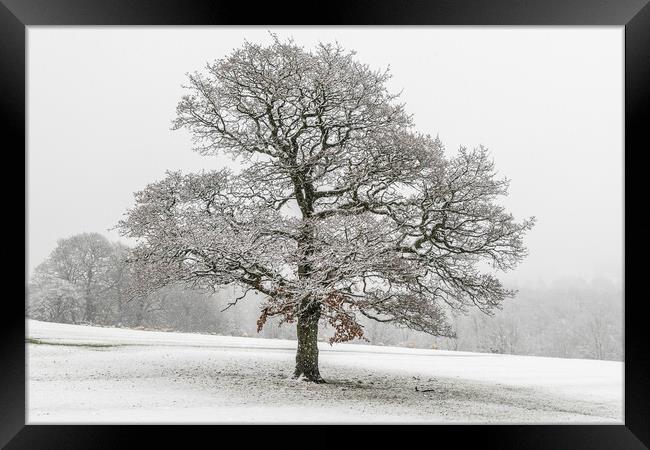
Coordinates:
(547, 102)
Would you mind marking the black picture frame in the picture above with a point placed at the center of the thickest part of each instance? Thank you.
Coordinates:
(634, 15)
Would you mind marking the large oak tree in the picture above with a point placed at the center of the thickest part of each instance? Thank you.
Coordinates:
(340, 209)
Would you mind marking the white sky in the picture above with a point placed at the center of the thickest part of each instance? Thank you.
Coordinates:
(547, 101)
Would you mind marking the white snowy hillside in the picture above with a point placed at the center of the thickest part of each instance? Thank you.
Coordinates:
(83, 374)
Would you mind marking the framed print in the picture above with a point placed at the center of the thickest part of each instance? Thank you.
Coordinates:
(381, 214)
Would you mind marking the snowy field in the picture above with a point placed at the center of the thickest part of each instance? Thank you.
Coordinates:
(83, 374)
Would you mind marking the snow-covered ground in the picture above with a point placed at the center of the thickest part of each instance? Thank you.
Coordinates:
(83, 374)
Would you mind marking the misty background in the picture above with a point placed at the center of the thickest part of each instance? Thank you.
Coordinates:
(546, 101)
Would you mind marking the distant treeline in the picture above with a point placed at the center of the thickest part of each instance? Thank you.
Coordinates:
(86, 279)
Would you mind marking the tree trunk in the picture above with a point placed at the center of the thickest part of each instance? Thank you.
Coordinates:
(307, 354)
(139, 313)
(307, 327)
(90, 306)
(89, 315)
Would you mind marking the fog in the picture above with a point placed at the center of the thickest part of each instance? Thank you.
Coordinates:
(547, 102)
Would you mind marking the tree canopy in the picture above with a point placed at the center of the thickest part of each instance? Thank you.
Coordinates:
(340, 208)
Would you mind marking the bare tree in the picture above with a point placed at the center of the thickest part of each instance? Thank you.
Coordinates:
(119, 278)
(54, 300)
(504, 336)
(82, 260)
(340, 208)
(598, 334)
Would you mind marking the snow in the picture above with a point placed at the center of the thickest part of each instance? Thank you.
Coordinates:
(84, 374)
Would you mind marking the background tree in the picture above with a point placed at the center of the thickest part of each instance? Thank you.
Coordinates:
(119, 278)
(54, 299)
(340, 209)
(83, 261)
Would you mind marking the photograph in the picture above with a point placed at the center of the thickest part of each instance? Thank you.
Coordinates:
(325, 225)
